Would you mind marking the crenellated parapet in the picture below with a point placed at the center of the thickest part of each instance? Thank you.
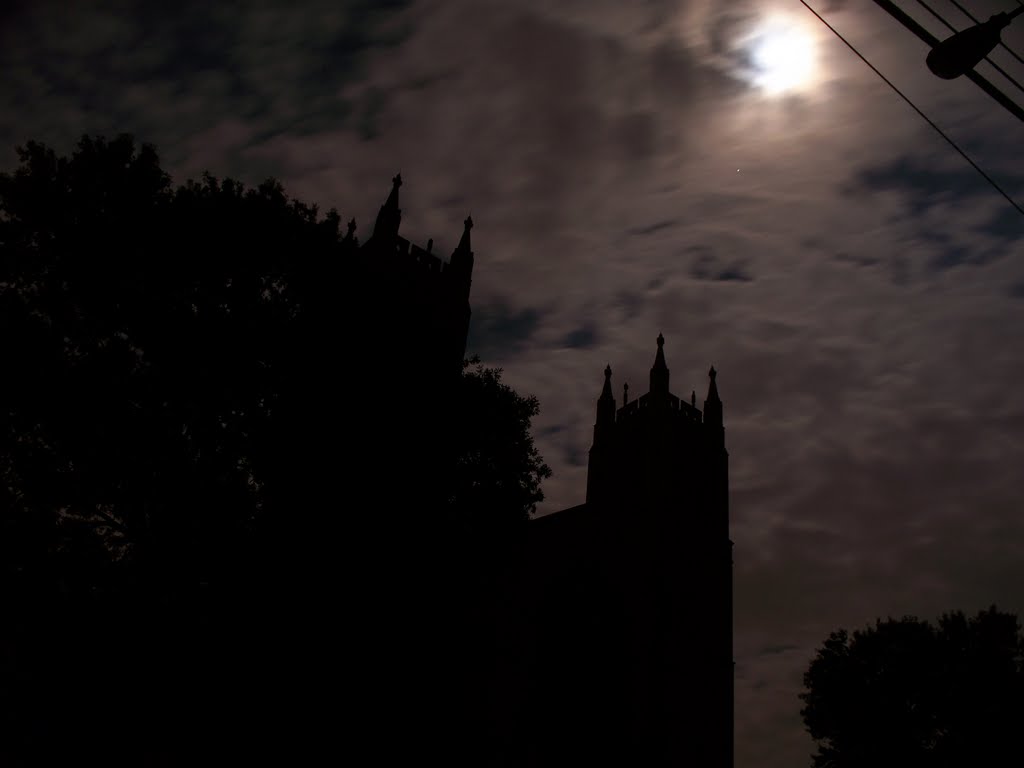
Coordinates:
(416, 266)
(658, 403)
(658, 428)
(408, 291)
(637, 583)
(669, 406)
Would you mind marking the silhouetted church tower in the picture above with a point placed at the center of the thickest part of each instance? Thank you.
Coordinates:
(396, 316)
(405, 319)
(425, 301)
(633, 651)
(609, 641)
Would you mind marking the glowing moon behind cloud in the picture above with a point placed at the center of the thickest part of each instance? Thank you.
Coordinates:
(782, 55)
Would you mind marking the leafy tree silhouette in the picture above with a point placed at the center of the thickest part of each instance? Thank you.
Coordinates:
(498, 471)
(173, 503)
(910, 693)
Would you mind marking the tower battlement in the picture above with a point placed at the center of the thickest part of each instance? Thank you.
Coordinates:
(427, 271)
(658, 405)
(657, 428)
(390, 272)
(637, 583)
(416, 261)
(675, 407)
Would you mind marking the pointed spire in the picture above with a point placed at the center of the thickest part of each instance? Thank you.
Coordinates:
(390, 215)
(713, 387)
(462, 257)
(606, 402)
(392, 201)
(625, 394)
(464, 241)
(606, 392)
(713, 404)
(659, 372)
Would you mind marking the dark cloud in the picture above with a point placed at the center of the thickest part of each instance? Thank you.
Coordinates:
(649, 229)
(874, 439)
(706, 264)
(857, 260)
(575, 456)
(723, 31)
(948, 255)
(1006, 223)
(629, 304)
(636, 135)
(369, 112)
(161, 72)
(584, 337)
(774, 650)
(927, 182)
(497, 328)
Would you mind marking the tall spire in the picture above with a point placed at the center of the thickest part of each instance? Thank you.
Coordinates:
(659, 371)
(606, 402)
(464, 240)
(392, 201)
(713, 403)
(390, 215)
(713, 387)
(462, 256)
(606, 391)
(602, 450)
(463, 253)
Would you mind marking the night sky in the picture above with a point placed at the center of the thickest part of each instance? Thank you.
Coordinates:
(642, 167)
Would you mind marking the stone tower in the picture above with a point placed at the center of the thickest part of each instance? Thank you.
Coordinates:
(633, 623)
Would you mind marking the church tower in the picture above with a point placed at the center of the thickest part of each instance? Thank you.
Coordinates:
(397, 322)
(658, 480)
(639, 582)
(408, 292)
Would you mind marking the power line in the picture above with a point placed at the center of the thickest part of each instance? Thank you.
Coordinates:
(967, 13)
(925, 117)
(953, 29)
(931, 41)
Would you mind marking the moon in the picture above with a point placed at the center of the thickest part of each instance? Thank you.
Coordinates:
(782, 55)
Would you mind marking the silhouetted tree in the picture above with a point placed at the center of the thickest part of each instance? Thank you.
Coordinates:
(497, 469)
(911, 693)
(165, 400)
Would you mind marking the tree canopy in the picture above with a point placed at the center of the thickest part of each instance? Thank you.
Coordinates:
(180, 399)
(156, 335)
(909, 692)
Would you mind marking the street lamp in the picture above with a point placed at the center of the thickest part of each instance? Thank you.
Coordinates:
(962, 52)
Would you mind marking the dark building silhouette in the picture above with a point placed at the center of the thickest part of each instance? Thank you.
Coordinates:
(627, 623)
(597, 635)
(409, 314)
(397, 315)
(426, 295)
(362, 614)
(355, 620)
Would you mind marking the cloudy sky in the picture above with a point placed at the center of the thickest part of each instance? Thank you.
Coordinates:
(726, 173)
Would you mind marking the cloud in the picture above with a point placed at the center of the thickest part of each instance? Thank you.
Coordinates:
(584, 337)
(927, 181)
(498, 327)
(650, 229)
(163, 74)
(707, 265)
(856, 284)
